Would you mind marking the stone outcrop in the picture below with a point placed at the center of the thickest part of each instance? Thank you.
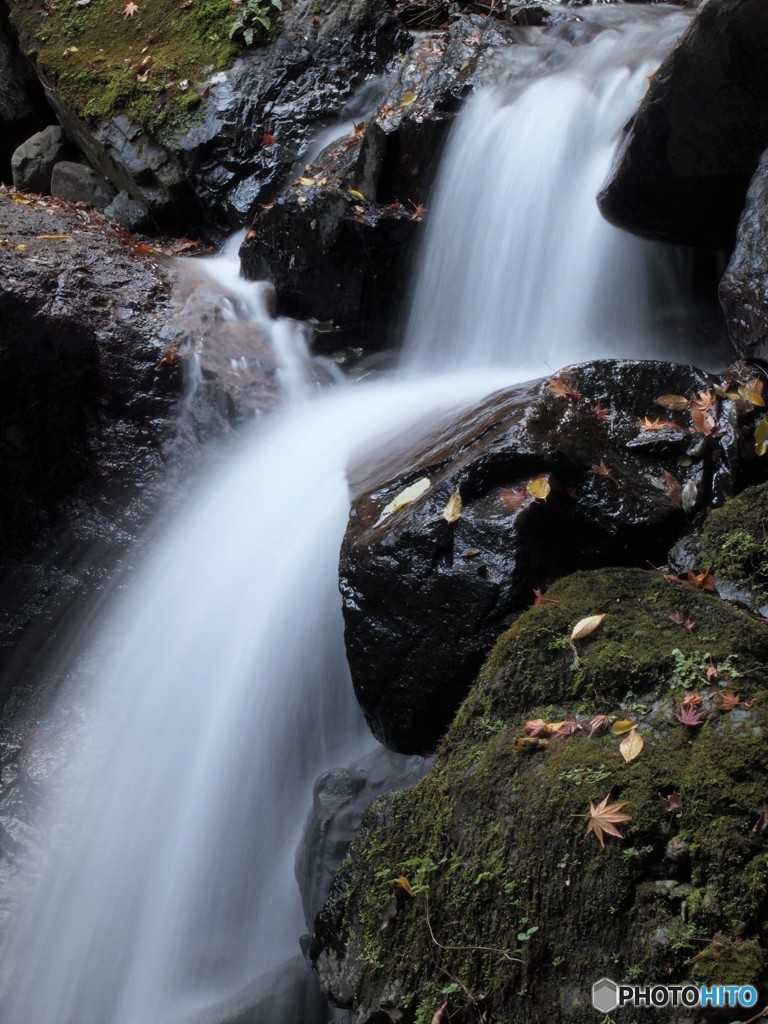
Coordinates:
(683, 171)
(743, 289)
(33, 162)
(552, 477)
(480, 889)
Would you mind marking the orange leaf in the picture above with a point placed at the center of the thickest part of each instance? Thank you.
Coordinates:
(604, 818)
(560, 387)
(648, 424)
(672, 402)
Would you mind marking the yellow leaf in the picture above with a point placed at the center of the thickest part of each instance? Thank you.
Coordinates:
(622, 727)
(403, 882)
(631, 745)
(677, 402)
(356, 195)
(539, 487)
(408, 98)
(452, 509)
(408, 496)
(761, 436)
(586, 626)
(530, 742)
(752, 391)
(307, 181)
(54, 236)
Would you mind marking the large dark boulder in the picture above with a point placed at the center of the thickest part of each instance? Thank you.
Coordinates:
(23, 109)
(479, 890)
(425, 598)
(744, 288)
(213, 159)
(338, 239)
(683, 171)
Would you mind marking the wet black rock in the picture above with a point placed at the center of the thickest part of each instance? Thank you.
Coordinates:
(683, 171)
(79, 183)
(744, 288)
(338, 241)
(33, 161)
(23, 109)
(425, 598)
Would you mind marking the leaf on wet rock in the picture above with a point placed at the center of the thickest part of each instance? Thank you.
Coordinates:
(356, 195)
(703, 400)
(692, 700)
(648, 424)
(691, 717)
(408, 98)
(453, 506)
(672, 402)
(306, 181)
(601, 412)
(604, 817)
(600, 725)
(704, 421)
(752, 391)
(669, 483)
(561, 387)
(584, 627)
(631, 746)
(539, 487)
(406, 497)
(729, 700)
(761, 436)
(513, 498)
(600, 469)
(689, 495)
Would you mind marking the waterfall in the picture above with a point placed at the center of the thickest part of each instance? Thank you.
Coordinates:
(218, 689)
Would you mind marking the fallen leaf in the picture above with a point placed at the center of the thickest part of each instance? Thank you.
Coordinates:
(671, 803)
(539, 487)
(648, 424)
(631, 746)
(692, 700)
(419, 210)
(169, 357)
(452, 509)
(538, 597)
(470, 553)
(184, 84)
(689, 495)
(512, 498)
(761, 436)
(762, 822)
(408, 98)
(671, 487)
(560, 387)
(682, 620)
(54, 236)
(622, 727)
(403, 882)
(530, 742)
(704, 421)
(306, 181)
(703, 400)
(690, 717)
(267, 140)
(441, 1015)
(601, 412)
(600, 724)
(729, 700)
(407, 497)
(672, 402)
(604, 818)
(130, 9)
(701, 580)
(601, 469)
(584, 627)
(356, 195)
(568, 727)
(752, 391)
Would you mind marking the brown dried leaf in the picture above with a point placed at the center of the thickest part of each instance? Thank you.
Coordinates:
(671, 486)
(689, 716)
(512, 498)
(648, 424)
(752, 391)
(762, 822)
(601, 412)
(692, 700)
(561, 388)
(604, 818)
(701, 580)
(729, 700)
(600, 469)
(403, 882)
(704, 421)
(703, 400)
(441, 1015)
(600, 724)
(672, 402)
(682, 620)
(671, 803)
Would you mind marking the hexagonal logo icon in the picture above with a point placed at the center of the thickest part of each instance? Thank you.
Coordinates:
(605, 995)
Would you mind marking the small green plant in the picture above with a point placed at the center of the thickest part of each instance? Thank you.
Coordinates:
(585, 776)
(691, 669)
(254, 18)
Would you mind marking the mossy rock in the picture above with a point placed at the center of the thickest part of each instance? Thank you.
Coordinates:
(735, 545)
(515, 911)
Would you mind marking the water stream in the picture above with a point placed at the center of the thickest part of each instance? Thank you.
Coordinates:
(219, 690)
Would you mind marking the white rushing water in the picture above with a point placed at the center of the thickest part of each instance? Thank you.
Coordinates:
(221, 688)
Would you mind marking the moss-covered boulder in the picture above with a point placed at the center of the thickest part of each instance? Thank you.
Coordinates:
(481, 888)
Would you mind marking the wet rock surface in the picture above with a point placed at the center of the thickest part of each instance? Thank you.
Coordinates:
(509, 893)
(743, 291)
(337, 241)
(33, 162)
(693, 146)
(425, 598)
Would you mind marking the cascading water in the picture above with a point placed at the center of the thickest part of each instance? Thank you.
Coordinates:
(220, 686)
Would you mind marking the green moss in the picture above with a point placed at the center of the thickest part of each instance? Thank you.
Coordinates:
(735, 540)
(521, 910)
(96, 57)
